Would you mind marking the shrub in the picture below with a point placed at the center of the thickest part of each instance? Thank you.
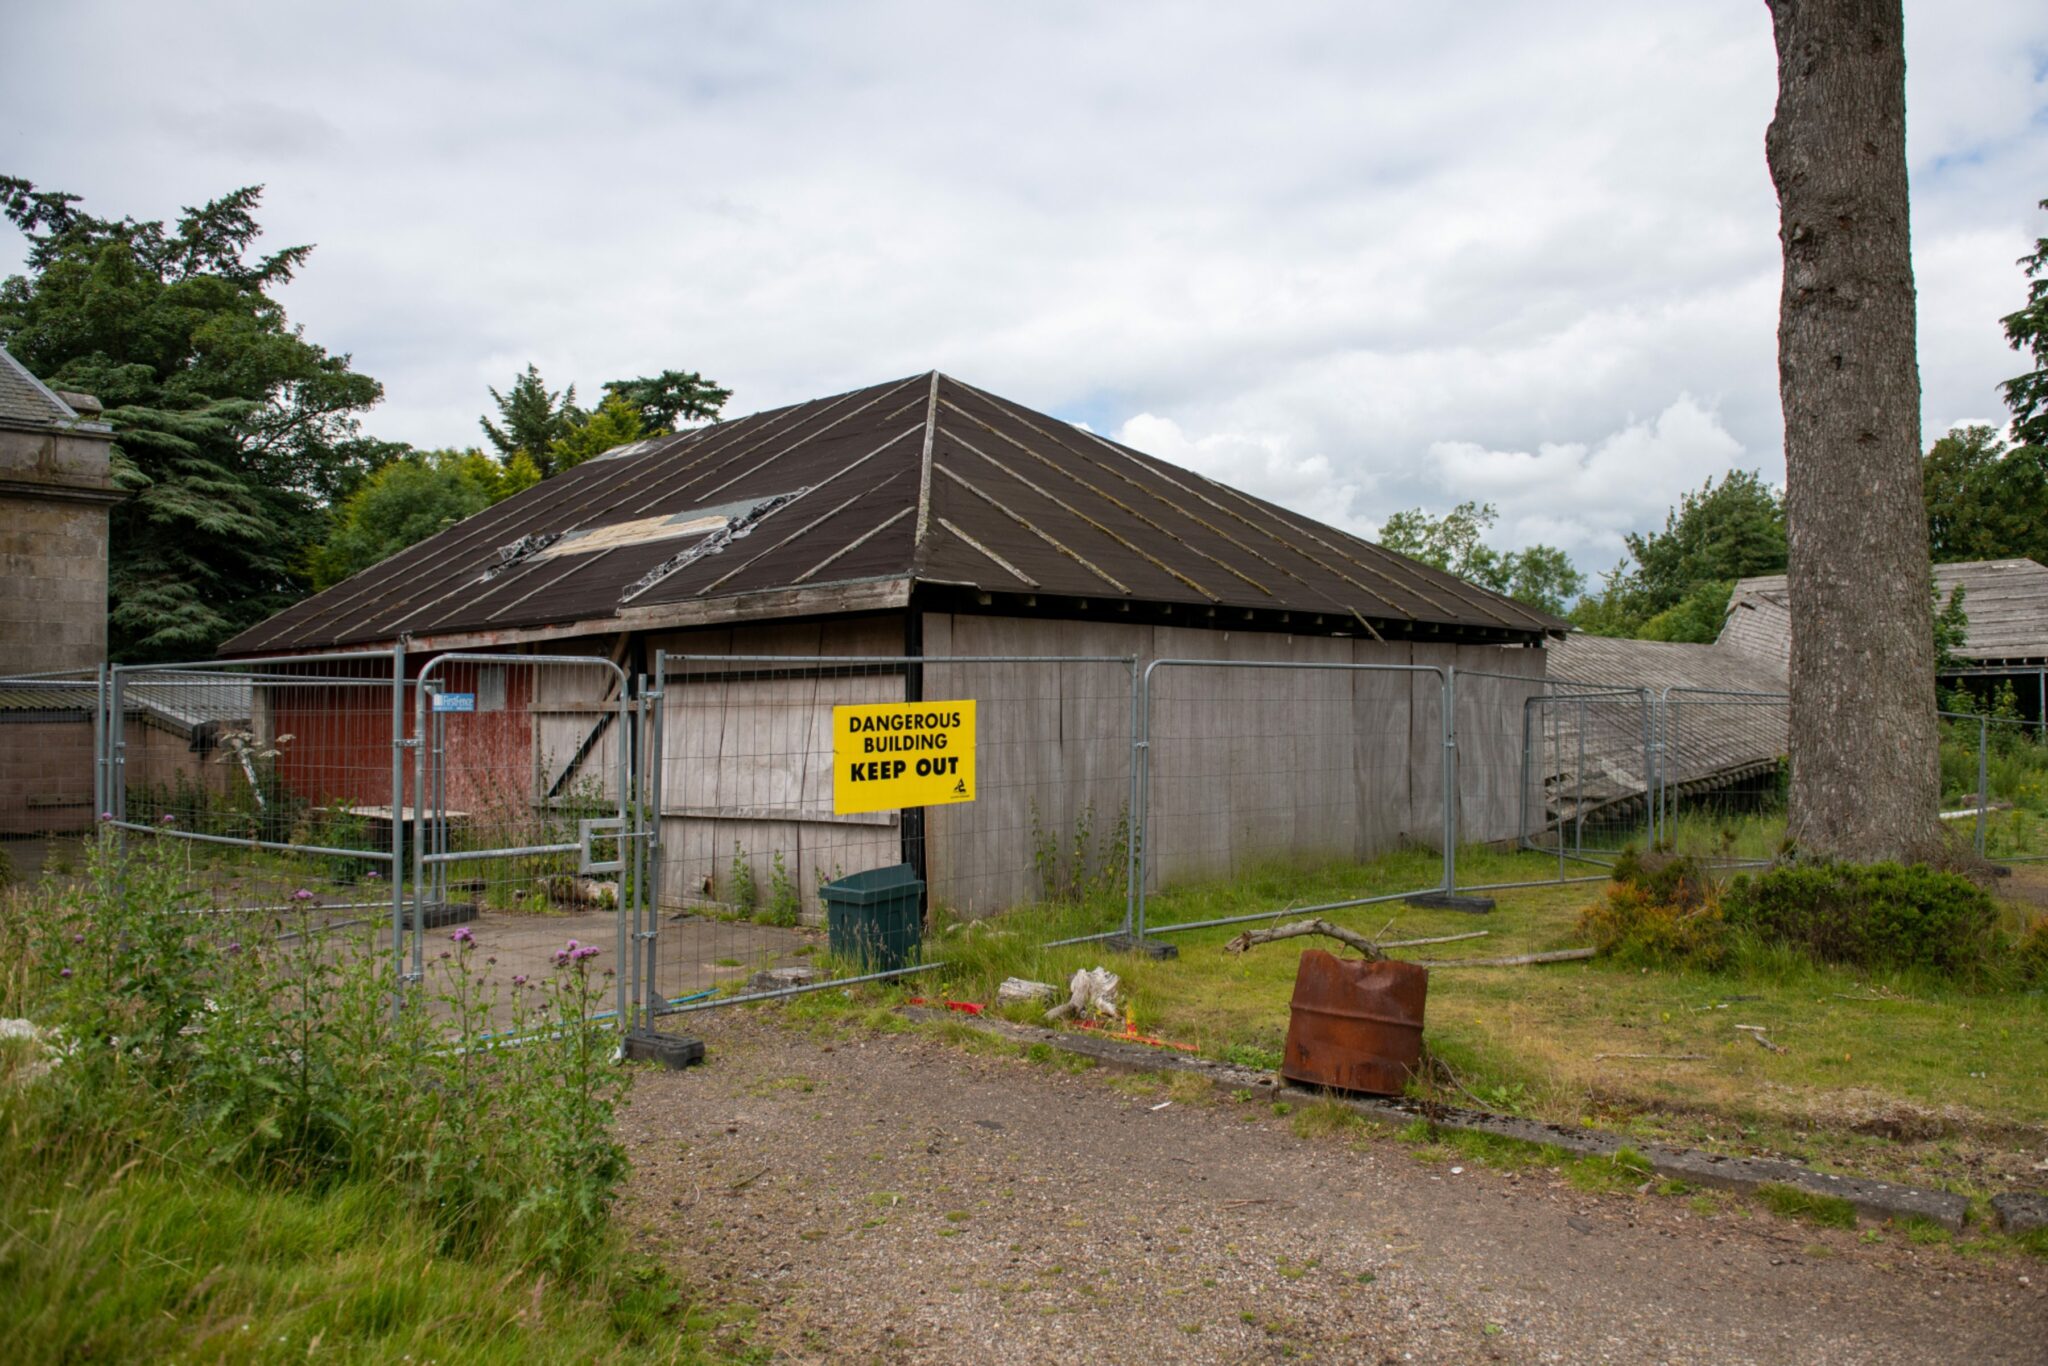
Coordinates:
(1659, 911)
(1882, 915)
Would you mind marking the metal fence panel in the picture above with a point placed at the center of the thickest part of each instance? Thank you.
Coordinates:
(1251, 762)
(1723, 772)
(748, 832)
(1994, 784)
(1586, 770)
(272, 778)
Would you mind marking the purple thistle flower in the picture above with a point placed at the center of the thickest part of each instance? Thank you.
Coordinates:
(302, 895)
(462, 935)
(373, 876)
(167, 819)
(67, 972)
(106, 815)
(234, 946)
(445, 953)
(78, 938)
(519, 979)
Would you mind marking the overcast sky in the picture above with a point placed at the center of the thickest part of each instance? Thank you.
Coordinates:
(1355, 257)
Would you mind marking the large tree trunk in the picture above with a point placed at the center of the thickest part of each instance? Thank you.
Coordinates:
(1865, 774)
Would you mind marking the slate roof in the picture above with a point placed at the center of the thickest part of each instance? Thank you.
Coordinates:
(2006, 602)
(26, 401)
(923, 480)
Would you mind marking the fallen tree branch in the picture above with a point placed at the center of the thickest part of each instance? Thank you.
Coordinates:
(1652, 1057)
(1520, 960)
(1371, 948)
(1302, 927)
(1435, 939)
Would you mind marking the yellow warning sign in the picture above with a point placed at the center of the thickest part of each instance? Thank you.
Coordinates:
(898, 754)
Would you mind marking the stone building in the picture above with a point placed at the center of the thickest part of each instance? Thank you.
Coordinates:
(56, 487)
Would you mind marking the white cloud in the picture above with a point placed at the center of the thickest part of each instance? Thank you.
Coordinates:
(1266, 464)
(1581, 496)
(1323, 247)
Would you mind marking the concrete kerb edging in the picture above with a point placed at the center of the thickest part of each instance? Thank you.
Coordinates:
(1875, 1200)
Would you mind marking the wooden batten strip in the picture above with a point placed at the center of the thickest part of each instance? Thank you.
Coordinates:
(1393, 608)
(1105, 495)
(1069, 508)
(854, 544)
(1002, 563)
(924, 471)
(1053, 541)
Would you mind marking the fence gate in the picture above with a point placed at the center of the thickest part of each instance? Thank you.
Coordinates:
(520, 799)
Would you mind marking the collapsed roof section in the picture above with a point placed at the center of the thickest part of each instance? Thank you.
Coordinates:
(849, 502)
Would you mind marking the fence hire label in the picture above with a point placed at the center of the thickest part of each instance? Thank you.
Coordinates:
(898, 754)
(454, 701)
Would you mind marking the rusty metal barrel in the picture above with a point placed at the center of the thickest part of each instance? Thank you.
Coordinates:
(1356, 1023)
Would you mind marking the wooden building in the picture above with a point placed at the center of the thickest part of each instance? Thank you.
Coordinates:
(924, 519)
(2006, 602)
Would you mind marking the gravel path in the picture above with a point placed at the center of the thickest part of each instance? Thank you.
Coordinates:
(893, 1197)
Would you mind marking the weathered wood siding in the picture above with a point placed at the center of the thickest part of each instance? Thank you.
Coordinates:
(1249, 765)
(747, 761)
(1052, 763)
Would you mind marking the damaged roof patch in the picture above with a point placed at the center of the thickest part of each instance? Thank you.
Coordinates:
(733, 526)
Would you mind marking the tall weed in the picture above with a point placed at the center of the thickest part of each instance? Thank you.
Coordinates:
(277, 1059)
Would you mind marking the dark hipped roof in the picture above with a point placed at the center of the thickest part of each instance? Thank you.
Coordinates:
(924, 480)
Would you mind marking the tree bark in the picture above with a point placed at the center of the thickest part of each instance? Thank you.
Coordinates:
(1865, 774)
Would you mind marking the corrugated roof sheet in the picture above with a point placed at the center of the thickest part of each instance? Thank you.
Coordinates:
(2005, 600)
(923, 479)
(177, 702)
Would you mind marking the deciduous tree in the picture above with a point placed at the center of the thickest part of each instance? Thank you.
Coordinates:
(410, 499)
(1985, 500)
(1541, 576)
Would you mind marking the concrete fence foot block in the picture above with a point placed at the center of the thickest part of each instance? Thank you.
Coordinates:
(2020, 1212)
(673, 1053)
(1451, 901)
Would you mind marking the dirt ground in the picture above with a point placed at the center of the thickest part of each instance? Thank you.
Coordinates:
(896, 1198)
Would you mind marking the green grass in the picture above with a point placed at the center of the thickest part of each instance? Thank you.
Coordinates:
(1871, 1057)
(159, 1264)
(1792, 1202)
